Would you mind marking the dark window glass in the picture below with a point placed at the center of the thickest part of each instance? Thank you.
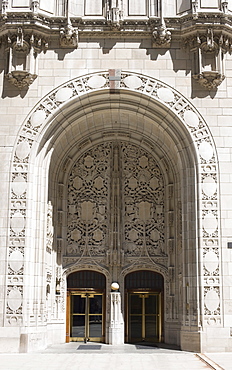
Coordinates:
(86, 279)
(144, 280)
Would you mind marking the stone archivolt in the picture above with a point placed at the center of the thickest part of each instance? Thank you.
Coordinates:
(134, 212)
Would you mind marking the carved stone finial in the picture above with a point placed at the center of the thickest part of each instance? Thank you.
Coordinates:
(35, 6)
(114, 13)
(210, 45)
(68, 36)
(162, 37)
(20, 44)
(4, 7)
(224, 6)
(195, 8)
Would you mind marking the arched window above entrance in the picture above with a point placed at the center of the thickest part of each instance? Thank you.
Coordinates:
(86, 279)
(144, 279)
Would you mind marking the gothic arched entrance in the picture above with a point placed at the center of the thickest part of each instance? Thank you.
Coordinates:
(146, 198)
(144, 296)
(85, 306)
(117, 204)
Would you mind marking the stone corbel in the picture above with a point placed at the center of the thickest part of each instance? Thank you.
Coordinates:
(208, 50)
(22, 52)
(21, 79)
(68, 36)
(161, 36)
(209, 79)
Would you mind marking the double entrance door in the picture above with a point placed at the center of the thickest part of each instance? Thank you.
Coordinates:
(144, 317)
(86, 316)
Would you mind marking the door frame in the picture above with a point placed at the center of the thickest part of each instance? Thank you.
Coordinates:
(160, 314)
(69, 308)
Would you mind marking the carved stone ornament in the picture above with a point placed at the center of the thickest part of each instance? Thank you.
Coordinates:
(4, 7)
(93, 174)
(224, 5)
(49, 240)
(23, 49)
(209, 49)
(35, 6)
(162, 36)
(68, 37)
(195, 8)
(142, 209)
(21, 79)
(114, 13)
(209, 79)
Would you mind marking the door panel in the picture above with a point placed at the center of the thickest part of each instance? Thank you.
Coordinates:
(86, 317)
(144, 317)
(78, 326)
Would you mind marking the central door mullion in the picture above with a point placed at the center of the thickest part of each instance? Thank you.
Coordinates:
(143, 318)
(86, 318)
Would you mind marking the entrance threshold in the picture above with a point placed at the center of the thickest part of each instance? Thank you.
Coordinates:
(74, 347)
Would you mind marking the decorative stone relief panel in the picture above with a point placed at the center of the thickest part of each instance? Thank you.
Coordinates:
(207, 168)
(88, 203)
(143, 191)
(108, 178)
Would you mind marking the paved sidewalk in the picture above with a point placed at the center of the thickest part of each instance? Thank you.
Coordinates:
(103, 357)
(224, 360)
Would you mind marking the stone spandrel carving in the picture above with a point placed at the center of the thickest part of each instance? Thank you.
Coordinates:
(143, 189)
(88, 202)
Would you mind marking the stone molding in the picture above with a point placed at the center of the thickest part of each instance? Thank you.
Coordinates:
(186, 28)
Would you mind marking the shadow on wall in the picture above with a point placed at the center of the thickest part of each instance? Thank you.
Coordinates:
(201, 92)
(183, 6)
(10, 91)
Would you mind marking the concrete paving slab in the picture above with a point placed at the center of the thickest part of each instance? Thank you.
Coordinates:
(103, 361)
(125, 357)
(222, 359)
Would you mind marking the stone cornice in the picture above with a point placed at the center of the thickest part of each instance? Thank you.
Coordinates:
(181, 26)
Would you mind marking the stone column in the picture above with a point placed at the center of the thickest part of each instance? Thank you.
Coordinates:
(116, 329)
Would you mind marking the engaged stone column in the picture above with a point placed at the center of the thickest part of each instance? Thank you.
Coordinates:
(116, 329)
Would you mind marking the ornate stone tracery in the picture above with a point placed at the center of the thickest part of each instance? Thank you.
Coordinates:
(93, 203)
(143, 188)
(88, 202)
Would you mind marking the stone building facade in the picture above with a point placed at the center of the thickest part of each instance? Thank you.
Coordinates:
(116, 158)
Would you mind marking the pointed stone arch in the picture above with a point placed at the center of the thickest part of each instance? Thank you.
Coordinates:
(169, 116)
